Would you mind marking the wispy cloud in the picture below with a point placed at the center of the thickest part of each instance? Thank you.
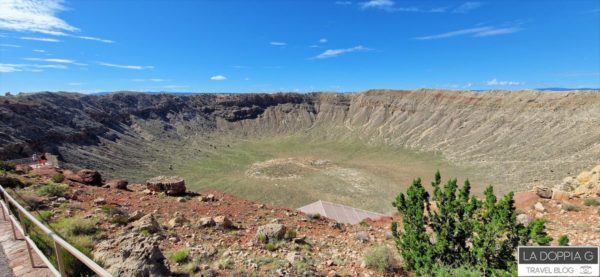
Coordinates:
(343, 3)
(484, 31)
(495, 82)
(96, 39)
(377, 4)
(331, 53)
(218, 78)
(75, 84)
(467, 7)
(41, 39)
(10, 45)
(33, 16)
(132, 67)
(39, 50)
(277, 43)
(64, 61)
(7, 68)
(323, 40)
(38, 16)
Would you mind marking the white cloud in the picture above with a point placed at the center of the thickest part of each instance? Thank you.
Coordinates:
(132, 67)
(495, 82)
(277, 43)
(484, 31)
(41, 39)
(10, 45)
(314, 46)
(343, 3)
(39, 50)
(377, 4)
(38, 16)
(330, 53)
(75, 84)
(96, 39)
(63, 61)
(33, 16)
(467, 7)
(7, 68)
(218, 78)
(323, 40)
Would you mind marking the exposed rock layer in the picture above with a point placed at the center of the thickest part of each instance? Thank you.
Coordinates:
(523, 137)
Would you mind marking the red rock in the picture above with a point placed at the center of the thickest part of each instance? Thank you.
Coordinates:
(84, 176)
(46, 172)
(170, 185)
(22, 168)
(525, 199)
(117, 184)
(560, 196)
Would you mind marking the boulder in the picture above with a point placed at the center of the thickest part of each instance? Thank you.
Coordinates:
(132, 254)
(117, 184)
(177, 221)
(206, 222)
(147, 223)
(170, 185)
(560, 196)
(99, 201)
(84, 176)
(294, 257)
(543, 192)
(524, 219)
(539, 207)
(568, 184)
(136, 215)
(223, 222)
(272, 232)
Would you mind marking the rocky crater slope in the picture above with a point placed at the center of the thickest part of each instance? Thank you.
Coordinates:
(519, 138)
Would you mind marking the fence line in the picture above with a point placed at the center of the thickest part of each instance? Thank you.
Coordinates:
(59, 244)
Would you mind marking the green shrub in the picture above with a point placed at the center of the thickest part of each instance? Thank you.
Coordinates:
(379, 258)
(469, 232)
(271, 246)
(52, 189)
(45, 216)
(263, 260)
(10, 182)
(446, 271)
(180, 255)
(58, 178)
(226, 263)
(7, 166)
(262, 238)
(563, 240)
(314, 216)
(570, 207)
(110, 209)
(76, 226)
(291, 234)
(591, 202)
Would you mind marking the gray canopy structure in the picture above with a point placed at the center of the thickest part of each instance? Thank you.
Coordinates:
(339, 213)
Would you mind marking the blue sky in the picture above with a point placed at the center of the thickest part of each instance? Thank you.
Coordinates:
(266, 46)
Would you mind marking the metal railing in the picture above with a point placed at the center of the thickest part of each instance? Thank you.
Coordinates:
(59, 243)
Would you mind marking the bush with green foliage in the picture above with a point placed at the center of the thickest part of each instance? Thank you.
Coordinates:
(52, 189)
(591, 202)
(563, 240)
(7, 166)
(180, 256)
(466, 232)
(570, 207)
(379, 258)
(58, 178)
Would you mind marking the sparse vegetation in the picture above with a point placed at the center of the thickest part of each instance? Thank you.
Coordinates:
(262, 238)
(379, 258)
(290, 234)
(482, 234)
(58, 178)
(271, 246)
(570, 207)
(180, 256)
(447, 271)
(226, 263)
(53, 190)
(45, 216)
(563, 240)
(7, 166)
(591, 202)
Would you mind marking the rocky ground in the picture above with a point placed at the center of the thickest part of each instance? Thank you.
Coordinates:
(160, 229)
